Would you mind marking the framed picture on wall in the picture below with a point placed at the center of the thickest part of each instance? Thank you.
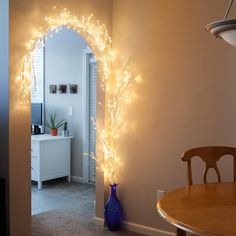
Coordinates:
(53, 88)
(73, 88)
(62, 88)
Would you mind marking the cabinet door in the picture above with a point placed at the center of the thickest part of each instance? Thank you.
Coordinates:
(34, 168)
(35, 149)
(35, 161)
(55, 159)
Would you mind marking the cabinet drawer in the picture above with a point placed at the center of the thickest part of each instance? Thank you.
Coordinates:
(34, 168)
(34, 149)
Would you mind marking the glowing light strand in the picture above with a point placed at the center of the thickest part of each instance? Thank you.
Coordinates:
(95, 33)
(118, 97)
(116, 89)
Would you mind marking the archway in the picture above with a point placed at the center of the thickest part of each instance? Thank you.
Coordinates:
(95, 34)
(115, 87)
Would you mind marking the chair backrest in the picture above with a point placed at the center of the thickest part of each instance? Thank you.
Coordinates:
(210, 155)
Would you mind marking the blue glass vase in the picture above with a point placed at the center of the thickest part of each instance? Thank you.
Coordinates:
(113, 210)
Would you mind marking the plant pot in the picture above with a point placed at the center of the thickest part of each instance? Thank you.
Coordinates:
(113, 213)
(54, 132)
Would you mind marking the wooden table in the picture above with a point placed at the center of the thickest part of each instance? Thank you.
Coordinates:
(202, 209)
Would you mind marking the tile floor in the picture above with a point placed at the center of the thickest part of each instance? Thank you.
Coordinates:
(43, 201)
(57, 194)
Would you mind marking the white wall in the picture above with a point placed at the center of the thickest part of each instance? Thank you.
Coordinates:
(64, 65)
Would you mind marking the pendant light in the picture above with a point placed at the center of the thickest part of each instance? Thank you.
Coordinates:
(225, 29)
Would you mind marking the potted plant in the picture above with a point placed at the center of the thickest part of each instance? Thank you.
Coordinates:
(65, 132)
(53, 125)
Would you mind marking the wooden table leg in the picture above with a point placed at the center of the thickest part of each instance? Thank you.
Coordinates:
(180, 232)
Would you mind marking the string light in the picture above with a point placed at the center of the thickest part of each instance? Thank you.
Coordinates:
(115, 89)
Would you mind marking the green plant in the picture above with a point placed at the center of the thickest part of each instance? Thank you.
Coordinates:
(65, 126)
(52, 124)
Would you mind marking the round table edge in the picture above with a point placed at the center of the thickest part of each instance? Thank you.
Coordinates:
(177, 223)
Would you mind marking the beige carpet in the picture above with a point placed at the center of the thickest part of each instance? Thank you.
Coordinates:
(74, 219)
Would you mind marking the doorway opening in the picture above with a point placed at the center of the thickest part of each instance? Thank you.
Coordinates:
(63, 86)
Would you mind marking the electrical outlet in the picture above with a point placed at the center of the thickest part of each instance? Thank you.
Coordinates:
(160, 193)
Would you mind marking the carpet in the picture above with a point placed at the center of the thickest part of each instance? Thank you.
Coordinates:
(74, 219)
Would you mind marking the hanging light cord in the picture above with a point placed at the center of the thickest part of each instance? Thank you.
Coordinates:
(229, 7)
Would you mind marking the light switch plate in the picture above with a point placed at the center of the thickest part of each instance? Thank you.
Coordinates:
(70, 110)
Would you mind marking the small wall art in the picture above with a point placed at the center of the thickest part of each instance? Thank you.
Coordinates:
(73, 88)
(62, 88)
(53, 88)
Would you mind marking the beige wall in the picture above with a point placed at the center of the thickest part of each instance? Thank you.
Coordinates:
(24, 15)
(187, 97)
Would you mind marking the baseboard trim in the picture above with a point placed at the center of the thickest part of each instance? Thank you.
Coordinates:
(142, 229)
(78, 179)
(99, 221)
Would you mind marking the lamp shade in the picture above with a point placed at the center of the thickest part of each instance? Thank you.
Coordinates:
(225, 29)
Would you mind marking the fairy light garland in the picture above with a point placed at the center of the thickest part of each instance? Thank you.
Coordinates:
(115, 89)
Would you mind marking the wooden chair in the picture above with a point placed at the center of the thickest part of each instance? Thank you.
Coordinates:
(210, 155)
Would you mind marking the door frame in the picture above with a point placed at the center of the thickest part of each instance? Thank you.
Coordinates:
(85, 114)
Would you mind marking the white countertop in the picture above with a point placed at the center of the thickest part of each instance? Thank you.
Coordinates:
(47, 137)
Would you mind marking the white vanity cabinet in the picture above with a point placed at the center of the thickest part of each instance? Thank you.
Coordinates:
(50, 157)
